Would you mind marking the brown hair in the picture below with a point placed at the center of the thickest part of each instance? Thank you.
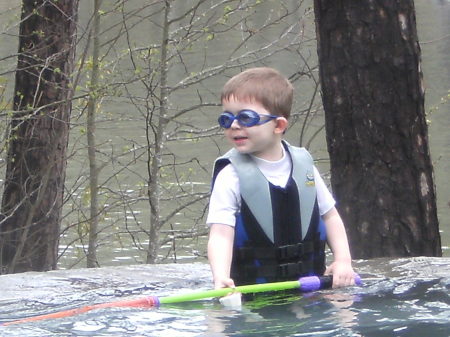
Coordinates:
(263, 85)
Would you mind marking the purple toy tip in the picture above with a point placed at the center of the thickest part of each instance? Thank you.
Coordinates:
(313, 283)
(155, 301)
(309, 283)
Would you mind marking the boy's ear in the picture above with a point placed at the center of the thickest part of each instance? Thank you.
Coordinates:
(282, 124)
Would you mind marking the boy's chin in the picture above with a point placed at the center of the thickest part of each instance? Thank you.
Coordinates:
(243, 151)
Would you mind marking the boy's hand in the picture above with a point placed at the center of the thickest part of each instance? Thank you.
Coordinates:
(224, 283)
(343, 274)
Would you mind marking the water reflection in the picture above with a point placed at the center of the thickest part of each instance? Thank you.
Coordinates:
(319, 314)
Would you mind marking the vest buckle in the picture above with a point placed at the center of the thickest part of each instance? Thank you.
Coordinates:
(292, 251)
(295, 269)
(290, 269)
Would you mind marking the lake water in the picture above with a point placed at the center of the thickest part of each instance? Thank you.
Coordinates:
(402, 297)
(433, 28)
(433, 25)
(122, 240)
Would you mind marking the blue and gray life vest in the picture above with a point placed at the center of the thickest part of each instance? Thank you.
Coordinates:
(279, 234)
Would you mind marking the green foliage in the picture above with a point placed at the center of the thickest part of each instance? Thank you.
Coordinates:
(39, 33)
(443, 101)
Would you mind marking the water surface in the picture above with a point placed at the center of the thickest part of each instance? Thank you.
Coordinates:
(402, 297)
(122, 238)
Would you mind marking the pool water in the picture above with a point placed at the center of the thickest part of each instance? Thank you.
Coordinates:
(402, 297)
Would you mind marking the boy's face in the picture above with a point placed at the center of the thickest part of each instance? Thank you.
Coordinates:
(262, 140)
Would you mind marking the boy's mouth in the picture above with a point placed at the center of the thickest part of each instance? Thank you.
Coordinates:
(239, 140)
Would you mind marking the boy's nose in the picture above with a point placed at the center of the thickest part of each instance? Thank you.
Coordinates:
(235, 125)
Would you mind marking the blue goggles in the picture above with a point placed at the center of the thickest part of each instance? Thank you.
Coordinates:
(245, 118)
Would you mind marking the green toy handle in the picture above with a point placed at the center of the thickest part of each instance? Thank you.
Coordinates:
(304, 284)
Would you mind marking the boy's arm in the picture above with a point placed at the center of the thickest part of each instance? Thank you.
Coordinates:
(220, 253)
(341, 268)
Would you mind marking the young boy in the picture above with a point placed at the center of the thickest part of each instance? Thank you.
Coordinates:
(268, 200)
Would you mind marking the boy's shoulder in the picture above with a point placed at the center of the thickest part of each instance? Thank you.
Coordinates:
(296, 152)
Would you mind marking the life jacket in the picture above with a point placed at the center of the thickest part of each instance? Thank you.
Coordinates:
(279, 234)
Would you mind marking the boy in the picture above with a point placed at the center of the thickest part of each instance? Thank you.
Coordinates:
(268, 200)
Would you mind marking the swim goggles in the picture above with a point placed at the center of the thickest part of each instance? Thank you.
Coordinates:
(245, 118)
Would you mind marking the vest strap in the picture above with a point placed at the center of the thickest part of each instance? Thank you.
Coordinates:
(280, 253)
(281, 271)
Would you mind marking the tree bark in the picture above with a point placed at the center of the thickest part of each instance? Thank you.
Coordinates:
(36, 163)
(373, 96)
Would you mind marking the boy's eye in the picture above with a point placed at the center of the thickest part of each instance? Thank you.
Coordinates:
(245, 118)
(248, 117)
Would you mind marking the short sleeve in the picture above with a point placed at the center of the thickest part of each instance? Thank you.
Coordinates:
(324, 197)
(225, 199)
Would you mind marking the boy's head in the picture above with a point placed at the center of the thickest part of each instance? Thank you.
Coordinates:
(263, 85)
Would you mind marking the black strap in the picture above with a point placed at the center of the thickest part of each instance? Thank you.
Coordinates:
(280, 253)
(282, 271)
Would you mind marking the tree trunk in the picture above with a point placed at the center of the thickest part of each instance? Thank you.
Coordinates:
(91, 258)
(36, 163)
(373, 96)
(155, 159)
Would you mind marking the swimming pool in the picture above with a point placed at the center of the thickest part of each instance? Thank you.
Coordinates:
(401, 297)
